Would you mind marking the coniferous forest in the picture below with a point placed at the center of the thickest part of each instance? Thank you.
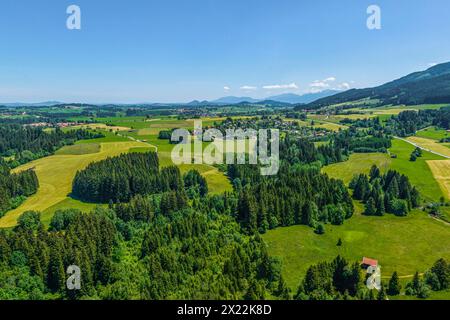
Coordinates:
(15, 187)
(183, 254)
(385, 193)
(120, 178)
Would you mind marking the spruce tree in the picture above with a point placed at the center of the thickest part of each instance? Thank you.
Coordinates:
(394, 286)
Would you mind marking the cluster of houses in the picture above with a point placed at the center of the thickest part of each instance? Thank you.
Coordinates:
(59, 124)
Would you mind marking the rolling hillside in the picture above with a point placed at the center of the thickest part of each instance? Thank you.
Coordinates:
(429, 86)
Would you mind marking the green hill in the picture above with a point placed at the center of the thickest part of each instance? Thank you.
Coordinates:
(429, 86)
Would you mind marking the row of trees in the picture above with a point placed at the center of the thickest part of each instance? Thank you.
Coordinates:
(385, 193)
(341, 280)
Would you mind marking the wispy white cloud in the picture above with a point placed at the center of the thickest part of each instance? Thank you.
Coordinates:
(319, 84)
(248, 88)
(322, 84)
(328, 84)
(226, 88)
(343, 86)
(281, 86)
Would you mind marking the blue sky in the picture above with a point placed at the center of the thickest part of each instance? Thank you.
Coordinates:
(176, 50)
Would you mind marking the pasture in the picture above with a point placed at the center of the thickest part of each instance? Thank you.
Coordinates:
(419, 172)
(406, 244)
(433, 133)
(357, 163)
(78, 149)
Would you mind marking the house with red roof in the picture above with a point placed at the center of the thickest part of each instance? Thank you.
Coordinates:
(367, 262)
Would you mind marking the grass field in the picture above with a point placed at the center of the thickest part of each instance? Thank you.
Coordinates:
(328, 125)
(67, 203)
(405, 245)
(78, 149)
(419, 172)
(433, 133)
(55, 174)
(357, 163)
(445, 212)
(108, 137)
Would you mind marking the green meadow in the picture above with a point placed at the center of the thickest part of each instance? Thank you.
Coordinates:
(418, 172)
(433, 133)
(402, 244)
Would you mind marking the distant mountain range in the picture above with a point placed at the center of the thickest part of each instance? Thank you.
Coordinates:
(429, 86)
(278, 101)
(286, 98)
(28, 104)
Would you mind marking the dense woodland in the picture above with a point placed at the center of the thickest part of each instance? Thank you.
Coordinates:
(15, 187)
(120, 178)
(408, 122)
(385, 193)
(313, 197)
(182, 254)
(25, 143)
